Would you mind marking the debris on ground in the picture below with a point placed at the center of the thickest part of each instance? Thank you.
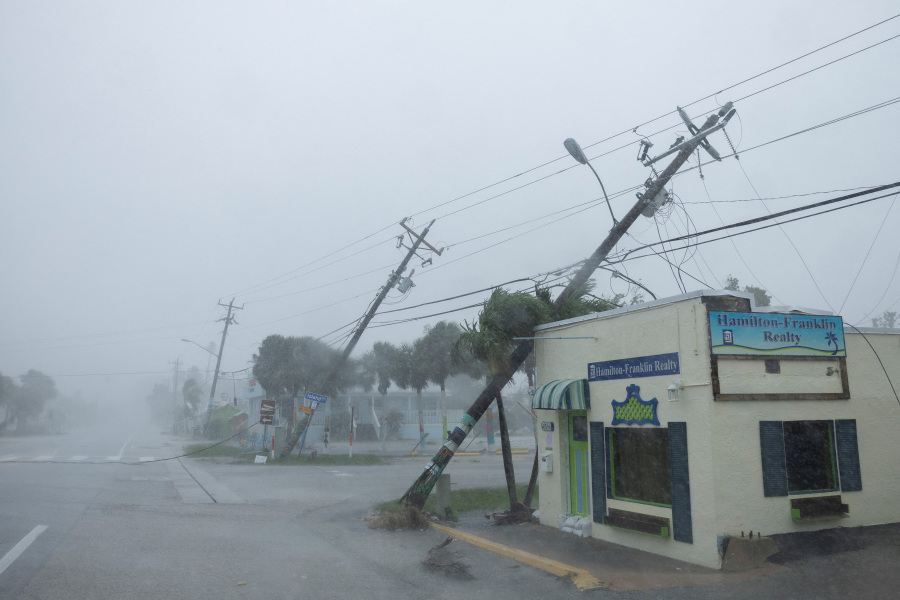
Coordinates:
(443, 560)
(518, 514)
(407, 517)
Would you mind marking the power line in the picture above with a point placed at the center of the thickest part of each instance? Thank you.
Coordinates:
(868, 252)
(625, 255)
(633, 129)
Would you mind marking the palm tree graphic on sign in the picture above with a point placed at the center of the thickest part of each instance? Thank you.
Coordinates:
(832, 339)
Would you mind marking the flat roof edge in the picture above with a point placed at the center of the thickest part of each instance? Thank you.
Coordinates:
(645, 305)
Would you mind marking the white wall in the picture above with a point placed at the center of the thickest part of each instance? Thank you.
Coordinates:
(657, 330)
(740, 503)
(723, 437)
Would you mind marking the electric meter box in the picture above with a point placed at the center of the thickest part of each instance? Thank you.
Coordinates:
(547, 462)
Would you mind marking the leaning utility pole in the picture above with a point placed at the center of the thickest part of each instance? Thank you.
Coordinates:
(391, 282)
(648, 201)
(229, 319)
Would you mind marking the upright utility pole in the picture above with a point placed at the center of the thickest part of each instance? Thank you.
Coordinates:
(229, 319)
(175, 395)
(391, 282)
(420, 489)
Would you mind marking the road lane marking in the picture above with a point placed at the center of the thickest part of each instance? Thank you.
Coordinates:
(125, 445)
(42, 458)
(19, 548)
(8, 458)
(78, 458)
(582, 579)
(113, 458)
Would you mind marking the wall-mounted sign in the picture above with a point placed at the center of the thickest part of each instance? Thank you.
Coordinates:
(633, 410)
(639, 366)
(546, 425)
(769, 334)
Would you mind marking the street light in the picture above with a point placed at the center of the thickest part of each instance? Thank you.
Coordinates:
(199, 346)
(578, 154)
(206, 379)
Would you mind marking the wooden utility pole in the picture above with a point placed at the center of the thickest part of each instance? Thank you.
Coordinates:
(420, 489)
(229, 319)
(391, 282)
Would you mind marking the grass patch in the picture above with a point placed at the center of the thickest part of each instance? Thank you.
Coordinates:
(466, 500)
(233, 452)
(203, 450)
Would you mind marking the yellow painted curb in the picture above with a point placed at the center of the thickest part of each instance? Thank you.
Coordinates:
(514, 451)
(467, 454)
(582, 579)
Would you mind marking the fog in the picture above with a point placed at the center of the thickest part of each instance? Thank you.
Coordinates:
(159, 159)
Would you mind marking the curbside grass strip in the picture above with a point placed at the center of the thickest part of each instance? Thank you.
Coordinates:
(582, 579)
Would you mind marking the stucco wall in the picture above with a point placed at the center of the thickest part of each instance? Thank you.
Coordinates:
(801, 377)
(723, 437)
(662, 329)
(740, 503)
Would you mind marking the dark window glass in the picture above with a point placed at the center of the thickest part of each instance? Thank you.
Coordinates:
(809, 456)
(579, 429)
(639, 465)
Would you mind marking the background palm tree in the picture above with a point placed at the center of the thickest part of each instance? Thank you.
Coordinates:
(437, 346)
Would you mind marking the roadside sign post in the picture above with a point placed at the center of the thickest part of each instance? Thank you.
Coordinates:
(306, 414)
(267, 417)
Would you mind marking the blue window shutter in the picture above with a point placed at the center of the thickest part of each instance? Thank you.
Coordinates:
(848, 455)
(598, 472)
(682, 525)
(771, 443)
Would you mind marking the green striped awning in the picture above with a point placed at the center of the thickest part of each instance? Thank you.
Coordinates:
(563, 394)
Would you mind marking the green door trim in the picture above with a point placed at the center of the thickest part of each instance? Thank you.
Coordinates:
(579, 467)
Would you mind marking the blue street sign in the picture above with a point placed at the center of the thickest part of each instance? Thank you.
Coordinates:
(316, 398)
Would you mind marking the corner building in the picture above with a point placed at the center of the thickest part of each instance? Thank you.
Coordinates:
(676, 424)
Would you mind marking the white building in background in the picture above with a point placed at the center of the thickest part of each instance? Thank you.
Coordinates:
(676, 424)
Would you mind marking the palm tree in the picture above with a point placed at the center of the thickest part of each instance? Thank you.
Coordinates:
(287, 366)
(505, 316)
(411, 372)
(438, 344)
(193, 397)
(379, 363)
(517, 317)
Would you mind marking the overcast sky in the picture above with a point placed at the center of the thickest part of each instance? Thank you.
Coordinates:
(157, 158)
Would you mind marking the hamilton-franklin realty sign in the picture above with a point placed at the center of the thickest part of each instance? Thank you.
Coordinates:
(639, 366)
(757, 334)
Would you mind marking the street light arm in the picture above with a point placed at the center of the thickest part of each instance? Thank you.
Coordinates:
(608, 205)
(199, 346)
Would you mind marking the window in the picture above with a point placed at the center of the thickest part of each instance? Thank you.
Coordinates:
(809, 456)
(639, 465)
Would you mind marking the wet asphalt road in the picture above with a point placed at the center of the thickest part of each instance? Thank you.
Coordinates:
(194, 528)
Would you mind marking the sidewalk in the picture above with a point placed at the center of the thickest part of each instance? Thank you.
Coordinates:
(858, 562)
(619, 568)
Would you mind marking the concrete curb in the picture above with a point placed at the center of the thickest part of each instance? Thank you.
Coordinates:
(582, 579)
